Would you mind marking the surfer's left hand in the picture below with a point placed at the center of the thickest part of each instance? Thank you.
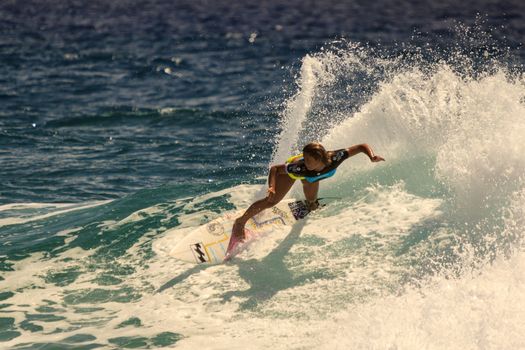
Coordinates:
(376, 159)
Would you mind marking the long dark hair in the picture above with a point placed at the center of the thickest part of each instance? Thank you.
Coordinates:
(317, 151)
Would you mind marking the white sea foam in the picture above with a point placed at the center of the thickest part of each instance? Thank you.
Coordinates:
(335, 284)
(17, 210)
(423, 251)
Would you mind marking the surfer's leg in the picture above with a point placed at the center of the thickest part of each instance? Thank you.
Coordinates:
(310, 190)
(283, 183)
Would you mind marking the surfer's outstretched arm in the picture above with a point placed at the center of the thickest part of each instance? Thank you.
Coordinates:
(366, 149)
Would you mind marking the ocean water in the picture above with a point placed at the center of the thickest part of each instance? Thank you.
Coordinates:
(125, 125)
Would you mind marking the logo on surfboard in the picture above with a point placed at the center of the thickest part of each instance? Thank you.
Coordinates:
(199, 252)
(215, 228)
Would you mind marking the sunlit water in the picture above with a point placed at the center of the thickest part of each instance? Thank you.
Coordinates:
(423, 251)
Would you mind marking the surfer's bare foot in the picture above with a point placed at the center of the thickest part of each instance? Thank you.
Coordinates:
(238, 229)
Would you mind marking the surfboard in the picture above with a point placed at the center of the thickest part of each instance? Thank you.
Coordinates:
(211, 244)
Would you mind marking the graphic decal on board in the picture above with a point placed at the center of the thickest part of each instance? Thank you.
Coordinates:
(299, 209)
(280, 212)
(258, 223)
(215, 228)
(199, 252)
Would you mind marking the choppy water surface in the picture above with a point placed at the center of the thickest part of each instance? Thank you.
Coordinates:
(125, 125)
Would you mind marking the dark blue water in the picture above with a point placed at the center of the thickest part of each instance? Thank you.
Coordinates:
(99, 99)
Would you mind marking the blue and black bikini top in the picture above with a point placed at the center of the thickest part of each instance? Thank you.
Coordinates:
(296, 168)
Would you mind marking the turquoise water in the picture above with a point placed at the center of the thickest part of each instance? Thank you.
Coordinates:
(126, 126)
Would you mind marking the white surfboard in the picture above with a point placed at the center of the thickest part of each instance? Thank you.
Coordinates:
(208, 244)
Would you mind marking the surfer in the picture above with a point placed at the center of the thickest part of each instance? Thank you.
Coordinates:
(313, 165)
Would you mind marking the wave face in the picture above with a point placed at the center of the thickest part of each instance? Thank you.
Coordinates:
(421, 251)
(450, 127)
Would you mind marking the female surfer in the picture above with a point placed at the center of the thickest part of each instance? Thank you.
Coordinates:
(313, 165)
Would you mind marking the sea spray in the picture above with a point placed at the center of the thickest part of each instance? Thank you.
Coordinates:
(450, 127)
